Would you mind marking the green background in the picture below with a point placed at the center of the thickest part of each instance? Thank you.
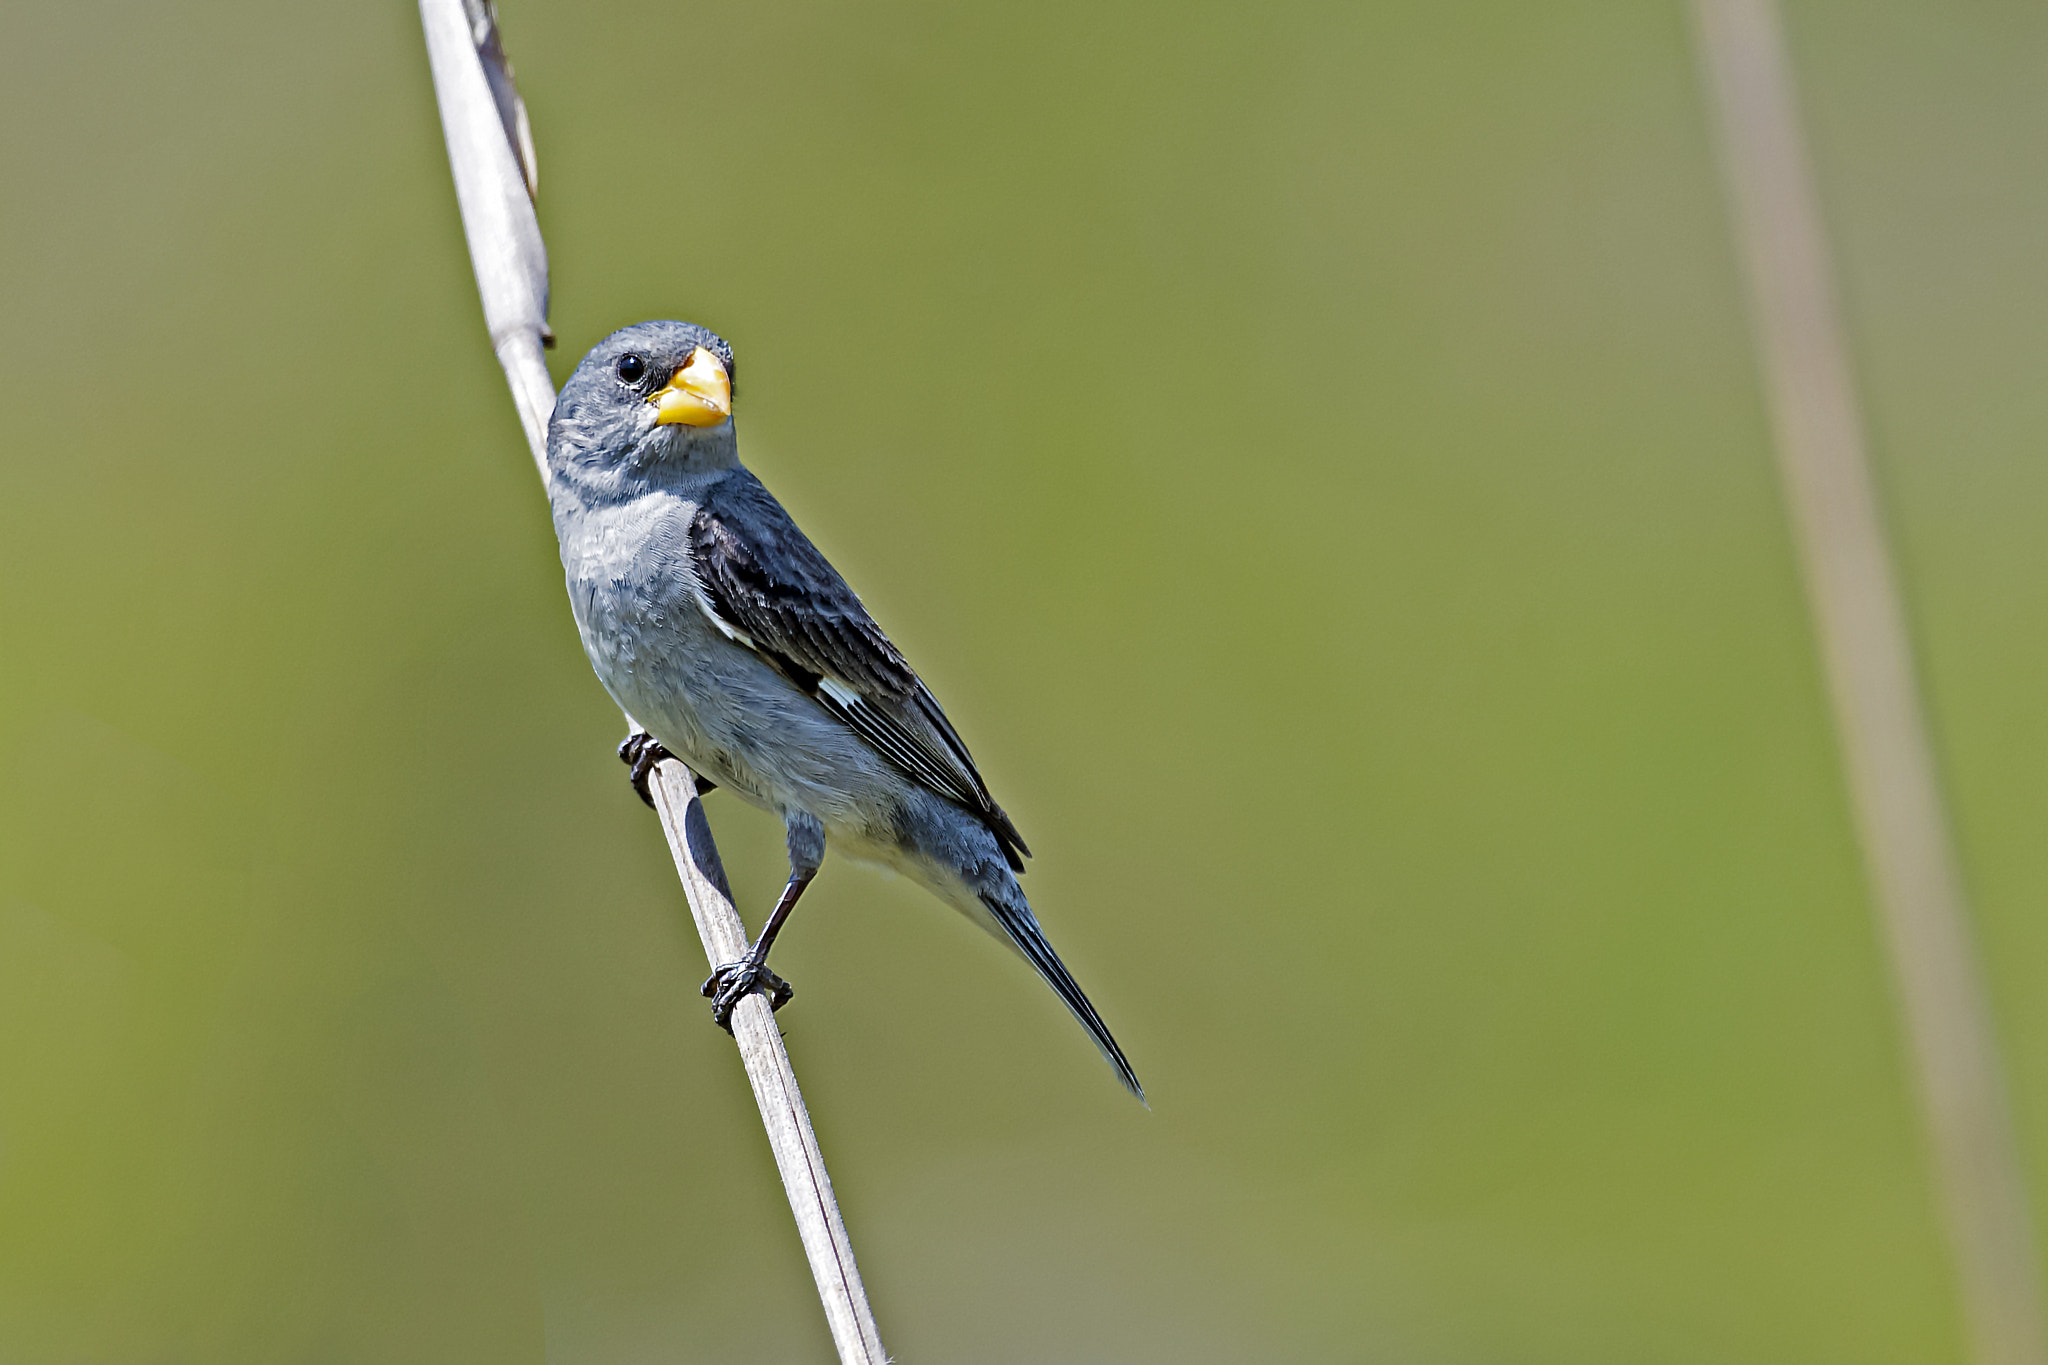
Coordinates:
(1315, 451)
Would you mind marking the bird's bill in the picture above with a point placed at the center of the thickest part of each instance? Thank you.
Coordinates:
(697, 395)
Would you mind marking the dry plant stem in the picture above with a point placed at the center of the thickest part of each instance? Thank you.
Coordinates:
(1858, 615)
(767, 1062)
(493, 177)
(492, 161)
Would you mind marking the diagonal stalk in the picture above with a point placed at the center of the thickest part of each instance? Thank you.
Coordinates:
(491, 154)
(1894, 790)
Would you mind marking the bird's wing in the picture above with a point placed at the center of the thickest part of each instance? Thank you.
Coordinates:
(769, 589)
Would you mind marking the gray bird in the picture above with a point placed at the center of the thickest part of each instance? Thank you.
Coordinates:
(731, 643)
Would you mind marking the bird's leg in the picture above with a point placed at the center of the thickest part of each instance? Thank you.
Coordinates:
(640, 752)
(729, 984)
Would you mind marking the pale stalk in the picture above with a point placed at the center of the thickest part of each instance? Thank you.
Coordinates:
(491, 154)
(1894, 789)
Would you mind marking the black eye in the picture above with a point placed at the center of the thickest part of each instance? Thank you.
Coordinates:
(631, 367)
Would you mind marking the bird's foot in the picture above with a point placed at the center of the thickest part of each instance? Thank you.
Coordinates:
(728, 985)
(640, 752)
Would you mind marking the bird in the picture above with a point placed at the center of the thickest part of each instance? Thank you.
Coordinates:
(731, 643)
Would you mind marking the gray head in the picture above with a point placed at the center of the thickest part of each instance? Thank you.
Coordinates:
(651, 399)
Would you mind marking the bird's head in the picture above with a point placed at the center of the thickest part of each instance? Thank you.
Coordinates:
(657, 394)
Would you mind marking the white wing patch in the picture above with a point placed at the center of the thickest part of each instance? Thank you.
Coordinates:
(725, 627)
(736, 636)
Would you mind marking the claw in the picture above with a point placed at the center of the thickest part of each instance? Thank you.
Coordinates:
(730, 984)
(640, 752)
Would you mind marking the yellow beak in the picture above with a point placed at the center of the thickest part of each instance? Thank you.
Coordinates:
(697, 395)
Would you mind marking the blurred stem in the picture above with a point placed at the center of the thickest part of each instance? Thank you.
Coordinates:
(490, 153)
(1865, 649)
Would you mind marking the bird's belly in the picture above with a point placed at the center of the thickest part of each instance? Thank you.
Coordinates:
(729, 715)
(674, 676)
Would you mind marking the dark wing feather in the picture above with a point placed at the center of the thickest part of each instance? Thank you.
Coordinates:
(764, 580)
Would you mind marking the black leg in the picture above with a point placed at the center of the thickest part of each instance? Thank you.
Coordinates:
(727, 986)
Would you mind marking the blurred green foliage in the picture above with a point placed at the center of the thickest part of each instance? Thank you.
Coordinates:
(1314, 451)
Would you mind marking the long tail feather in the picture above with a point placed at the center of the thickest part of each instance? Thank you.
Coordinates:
(1021, 926)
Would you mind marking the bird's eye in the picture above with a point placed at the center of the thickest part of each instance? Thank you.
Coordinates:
(630, 368)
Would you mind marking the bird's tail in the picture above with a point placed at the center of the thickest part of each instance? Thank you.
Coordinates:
(1013, 916)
